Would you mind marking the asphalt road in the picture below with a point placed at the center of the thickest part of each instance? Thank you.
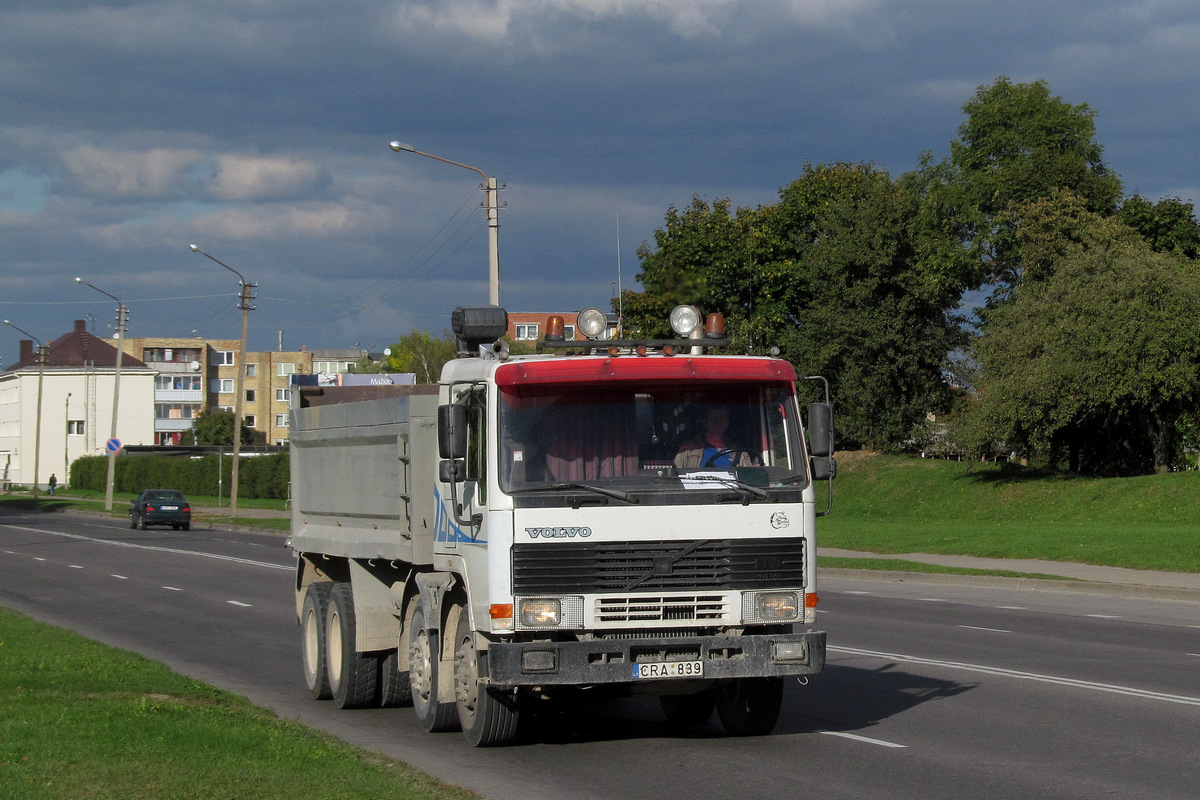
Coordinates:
(931, 690)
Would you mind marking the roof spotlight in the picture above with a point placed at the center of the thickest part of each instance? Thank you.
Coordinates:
(684, 320)
(592, 322)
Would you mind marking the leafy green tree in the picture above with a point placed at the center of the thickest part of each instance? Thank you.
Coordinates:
(832, 275)
(1169, 225)
(1018, 144)
(213, 427)
(422, 354)
(1098, 360)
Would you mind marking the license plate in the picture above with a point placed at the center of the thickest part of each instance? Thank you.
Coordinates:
(668, 669)
(170, 508)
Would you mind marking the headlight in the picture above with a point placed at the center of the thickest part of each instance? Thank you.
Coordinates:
(534, 613)
(541, 613)
(684, 320)
(592, 322)
(772, 606)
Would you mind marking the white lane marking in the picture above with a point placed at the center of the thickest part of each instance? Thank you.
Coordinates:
(173, 589)
(38, 558)
(1103, 616)
(932, 600)
(239, 604)
(76, 566)
(856, 592)
(119, 577)
(866, 739)
(1013, 608)
(978, 628)
(1027, 676)
(175, 550)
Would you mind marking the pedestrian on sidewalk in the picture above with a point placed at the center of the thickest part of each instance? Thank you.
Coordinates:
(53, 482)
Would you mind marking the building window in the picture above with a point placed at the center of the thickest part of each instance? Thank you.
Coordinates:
(250, 395)
(223, 385)
(184, 382)
(526, 331)
(281, 420)
(283, 395)
(162, 381)
(332, 367)
(251, 370)
(75, 427)
(224, 358)
(176, 410)
(251, 421)
(281, 442)
(569, 332)
(285, 368)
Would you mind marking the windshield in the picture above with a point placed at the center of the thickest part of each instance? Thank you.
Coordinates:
(645, 438)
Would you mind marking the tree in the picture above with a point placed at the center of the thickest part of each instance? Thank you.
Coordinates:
(1168, 225)
(1099, 358)
(213, 427)
(1019, 144)
(420, 353)
(832, 275)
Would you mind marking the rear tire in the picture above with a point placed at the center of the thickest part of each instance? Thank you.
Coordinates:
(132, 522)
(394, 688)
(689, 709)
(142, 522)
(352, 675)
(424, 649)
(488, 715)
(312, 633)
(750, 706)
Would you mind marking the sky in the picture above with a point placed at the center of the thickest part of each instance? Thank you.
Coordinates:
(259, 129)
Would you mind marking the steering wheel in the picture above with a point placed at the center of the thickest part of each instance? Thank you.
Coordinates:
(728, 451)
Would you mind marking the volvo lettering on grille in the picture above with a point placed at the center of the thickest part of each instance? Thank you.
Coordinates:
(559, 532)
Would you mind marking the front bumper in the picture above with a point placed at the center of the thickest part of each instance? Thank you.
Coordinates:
(611, 661)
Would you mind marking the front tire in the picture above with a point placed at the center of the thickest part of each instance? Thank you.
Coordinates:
(352, 675)
(424, 652)
(312, 634)
(750, 706)
(489, 716)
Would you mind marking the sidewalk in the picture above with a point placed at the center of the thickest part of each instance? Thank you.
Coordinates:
(1180, 585)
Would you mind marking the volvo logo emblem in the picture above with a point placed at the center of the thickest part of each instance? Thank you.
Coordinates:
(559, 533)
(779, 520)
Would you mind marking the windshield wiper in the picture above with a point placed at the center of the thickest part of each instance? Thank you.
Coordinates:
(616, 494)
(731, 482)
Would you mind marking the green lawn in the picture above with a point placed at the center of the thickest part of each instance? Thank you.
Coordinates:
(895, 504)
(79, 719)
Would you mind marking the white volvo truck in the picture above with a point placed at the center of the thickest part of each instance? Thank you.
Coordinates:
(533, 524)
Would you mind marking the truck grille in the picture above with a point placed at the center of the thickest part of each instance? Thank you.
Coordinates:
(660, 609)
(660, 566)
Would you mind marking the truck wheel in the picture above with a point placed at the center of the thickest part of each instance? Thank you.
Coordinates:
(312, 627)
(689, 709)
(750, 706)
(488, 715)
(424, 648)
(394, 688)
(351, 674)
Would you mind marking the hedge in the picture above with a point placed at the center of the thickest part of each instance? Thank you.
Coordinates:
(258, 477)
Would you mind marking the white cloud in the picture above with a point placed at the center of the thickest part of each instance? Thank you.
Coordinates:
(129, 174)
(306, 220)
(255, 178)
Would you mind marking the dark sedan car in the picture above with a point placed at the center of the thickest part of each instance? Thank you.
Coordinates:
(160, 507)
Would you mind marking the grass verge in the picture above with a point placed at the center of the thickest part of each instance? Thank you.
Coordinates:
(894, 565)
(895, 504)
(79, 719)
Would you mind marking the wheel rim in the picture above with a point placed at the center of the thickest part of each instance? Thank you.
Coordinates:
(420, 670)
(466, 676)
(334, 638)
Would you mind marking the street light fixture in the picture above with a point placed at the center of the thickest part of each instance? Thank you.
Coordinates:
(122, 316)
(244, 298)
(491, 209)
(37, 433)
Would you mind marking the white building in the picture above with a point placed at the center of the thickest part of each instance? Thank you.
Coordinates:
(77, 382)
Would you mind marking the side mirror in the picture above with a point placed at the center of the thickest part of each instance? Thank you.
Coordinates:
(452, 470)
(820, 429)
(824, 468)
(452, 431)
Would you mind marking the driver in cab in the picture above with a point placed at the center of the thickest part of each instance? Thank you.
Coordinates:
(712, 448)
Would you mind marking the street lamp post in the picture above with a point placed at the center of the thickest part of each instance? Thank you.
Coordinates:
(491, 208)
(37, 433)
(244, 298)
(122, 315)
